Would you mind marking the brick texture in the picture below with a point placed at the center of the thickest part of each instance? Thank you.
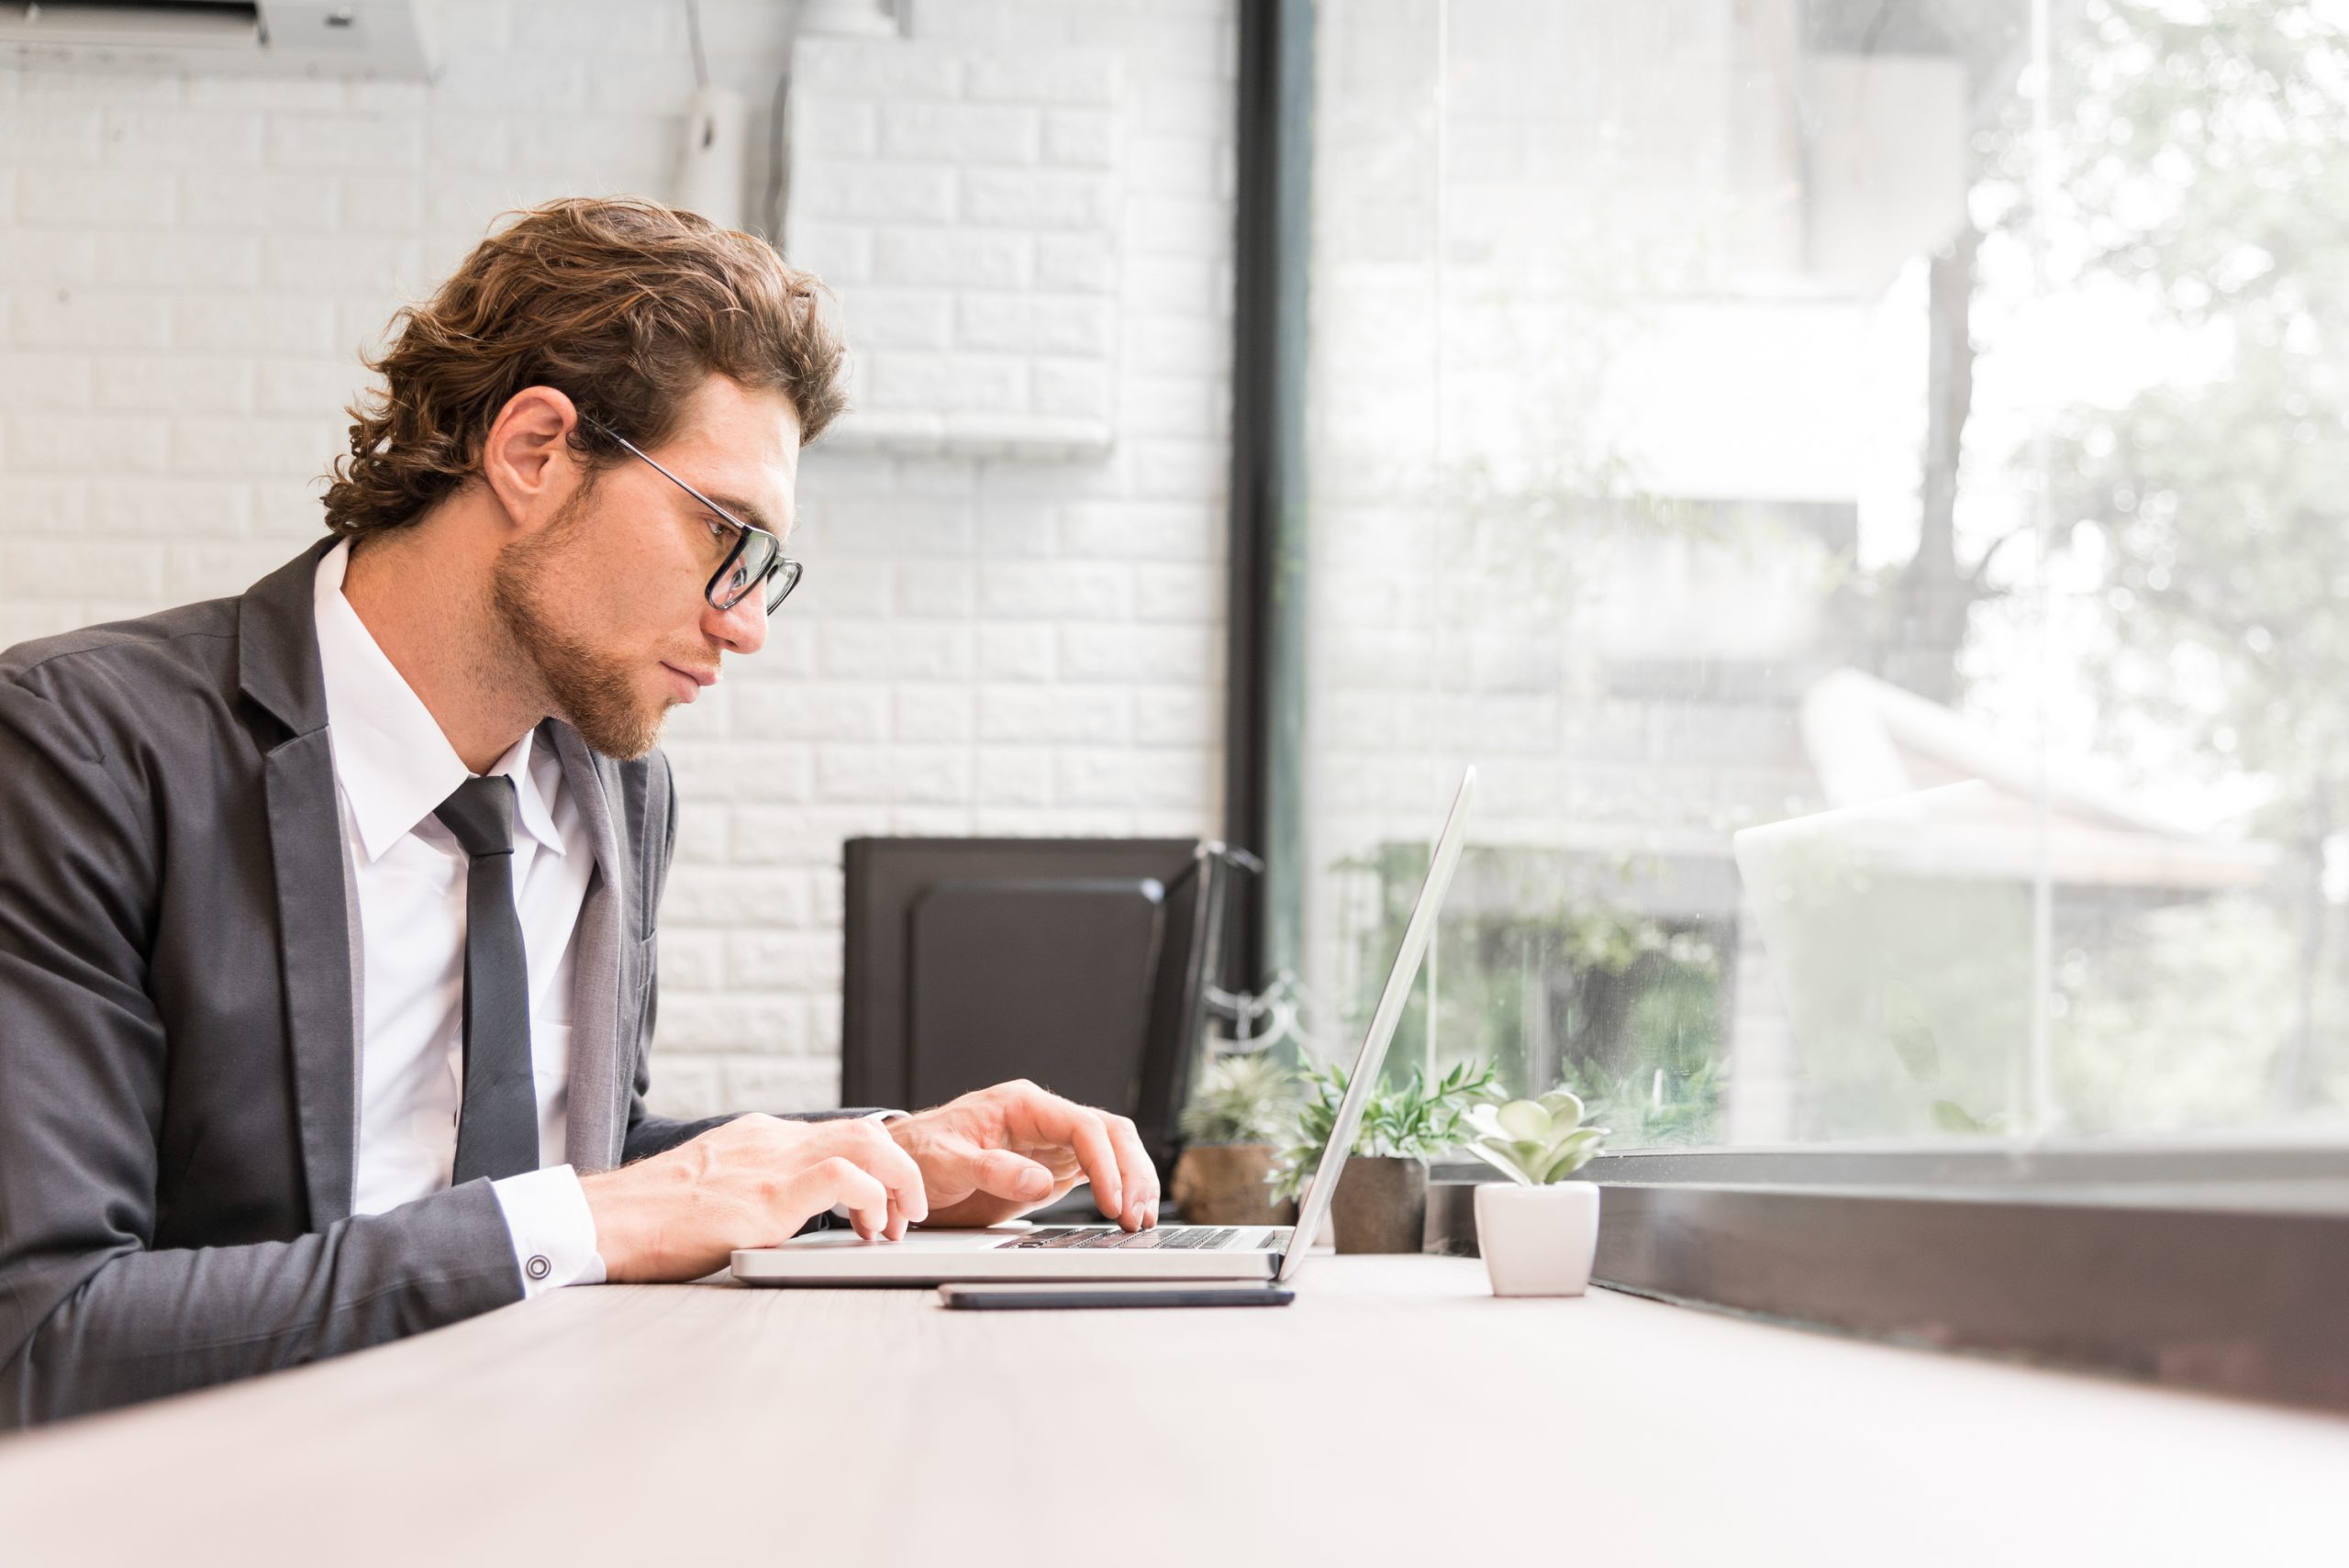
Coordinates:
(977, 260)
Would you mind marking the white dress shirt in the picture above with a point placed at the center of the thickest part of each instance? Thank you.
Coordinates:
(391, 767)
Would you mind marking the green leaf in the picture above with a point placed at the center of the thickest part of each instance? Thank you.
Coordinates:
(1564, 1105)
(1573, 1155)
(1525, 1120)
(1501, 1161)
(1950, 1117)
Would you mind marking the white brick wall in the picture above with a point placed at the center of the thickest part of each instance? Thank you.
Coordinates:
(189, 267)
(984, 254)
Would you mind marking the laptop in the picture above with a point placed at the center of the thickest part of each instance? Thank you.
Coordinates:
(1030, 1253)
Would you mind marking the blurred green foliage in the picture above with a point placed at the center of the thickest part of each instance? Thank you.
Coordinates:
(1620, 1007)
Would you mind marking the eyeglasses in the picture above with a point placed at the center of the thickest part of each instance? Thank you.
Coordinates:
(757, 556)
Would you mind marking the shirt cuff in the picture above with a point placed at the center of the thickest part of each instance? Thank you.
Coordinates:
(552, 1229)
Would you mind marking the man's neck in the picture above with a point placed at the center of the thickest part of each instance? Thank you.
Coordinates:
(426, 600)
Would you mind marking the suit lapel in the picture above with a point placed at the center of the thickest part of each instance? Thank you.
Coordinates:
(278, 668)
(594, 1128)
(314, 954)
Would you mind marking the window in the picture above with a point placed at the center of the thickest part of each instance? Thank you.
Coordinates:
(1865, 481)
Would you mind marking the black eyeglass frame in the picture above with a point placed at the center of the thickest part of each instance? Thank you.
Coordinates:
(781, 570)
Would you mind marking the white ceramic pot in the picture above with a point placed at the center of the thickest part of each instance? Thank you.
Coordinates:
(1537, 1240)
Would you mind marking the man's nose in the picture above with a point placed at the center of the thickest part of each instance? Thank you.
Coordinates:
(743, 628)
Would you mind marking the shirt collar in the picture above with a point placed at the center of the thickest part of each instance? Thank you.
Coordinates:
(390, 758)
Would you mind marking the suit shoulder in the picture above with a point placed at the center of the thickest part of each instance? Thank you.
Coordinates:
(192, 644)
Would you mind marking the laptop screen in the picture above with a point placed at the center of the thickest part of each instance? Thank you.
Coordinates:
(1399, 980)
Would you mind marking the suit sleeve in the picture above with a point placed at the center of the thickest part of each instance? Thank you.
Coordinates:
(91, 1315)
(647, 1133)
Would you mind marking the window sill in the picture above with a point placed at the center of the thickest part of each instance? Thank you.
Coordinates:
(2231, 1286)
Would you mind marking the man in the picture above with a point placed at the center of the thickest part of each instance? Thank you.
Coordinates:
(326, 912)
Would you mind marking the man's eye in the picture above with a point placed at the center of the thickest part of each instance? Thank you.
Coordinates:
(718, 530)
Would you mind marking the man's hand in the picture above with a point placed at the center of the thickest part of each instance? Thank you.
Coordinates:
(1001, 1151)
(752, 1182)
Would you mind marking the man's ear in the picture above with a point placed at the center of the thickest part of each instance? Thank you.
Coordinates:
(527, 458)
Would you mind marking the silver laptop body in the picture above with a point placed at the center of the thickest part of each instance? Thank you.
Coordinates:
(1103, 1252)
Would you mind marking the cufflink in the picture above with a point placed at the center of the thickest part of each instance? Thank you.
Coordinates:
(539, 1267)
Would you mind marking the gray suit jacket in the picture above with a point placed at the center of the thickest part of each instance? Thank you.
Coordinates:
(178, 1055)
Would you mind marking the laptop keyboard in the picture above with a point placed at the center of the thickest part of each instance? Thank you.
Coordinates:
(1094, 1238)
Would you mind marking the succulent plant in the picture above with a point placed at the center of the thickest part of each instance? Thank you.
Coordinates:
(1240, 1099)
(1535, 1141)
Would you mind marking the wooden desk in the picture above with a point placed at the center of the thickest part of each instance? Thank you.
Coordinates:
(1395, 1414)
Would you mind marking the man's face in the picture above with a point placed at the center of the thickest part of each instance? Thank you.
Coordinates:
(608, 600)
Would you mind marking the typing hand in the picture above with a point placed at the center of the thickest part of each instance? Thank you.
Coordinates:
(752, 1182)
(999, 1152)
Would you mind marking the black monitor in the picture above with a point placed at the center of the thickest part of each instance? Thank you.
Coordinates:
(1081, 963)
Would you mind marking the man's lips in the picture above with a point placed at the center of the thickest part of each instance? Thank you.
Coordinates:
(689, 682)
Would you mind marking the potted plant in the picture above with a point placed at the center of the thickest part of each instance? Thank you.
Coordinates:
(1382, 1205)
(1223, 1175)
(1538, 1232)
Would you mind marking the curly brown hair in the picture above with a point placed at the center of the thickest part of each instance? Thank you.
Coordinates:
(624, 305)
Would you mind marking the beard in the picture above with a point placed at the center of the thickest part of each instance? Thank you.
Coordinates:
(593, 692)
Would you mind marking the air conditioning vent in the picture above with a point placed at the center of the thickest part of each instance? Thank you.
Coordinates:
(382, 38)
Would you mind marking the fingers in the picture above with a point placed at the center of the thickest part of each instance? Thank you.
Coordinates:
(865, 1145)
(868, 1150)
(1109, 1150)
(1138, 1176)
(909, 1197)
(1009, 1175)
(1090, 1140)
(842, 1181)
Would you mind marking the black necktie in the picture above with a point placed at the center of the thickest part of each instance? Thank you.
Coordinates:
(498, 1130)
